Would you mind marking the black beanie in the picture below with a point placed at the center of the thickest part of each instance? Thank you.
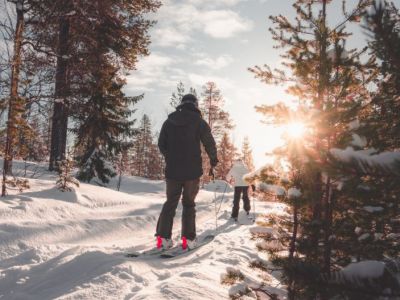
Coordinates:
(189, 98)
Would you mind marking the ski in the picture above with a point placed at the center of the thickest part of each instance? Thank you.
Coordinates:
(150, 252)
(174, 252)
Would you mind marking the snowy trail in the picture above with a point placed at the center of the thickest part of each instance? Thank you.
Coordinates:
(57, 245)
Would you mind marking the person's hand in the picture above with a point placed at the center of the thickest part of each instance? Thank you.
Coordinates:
(214, 163)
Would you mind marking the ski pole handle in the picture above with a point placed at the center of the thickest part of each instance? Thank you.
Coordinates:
(211, 173)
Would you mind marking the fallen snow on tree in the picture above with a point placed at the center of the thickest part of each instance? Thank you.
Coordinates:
(384, 159)
(364, 236)
(358, 141)
(271, 188)
(294, 193)
(372, 209)
(364, 269)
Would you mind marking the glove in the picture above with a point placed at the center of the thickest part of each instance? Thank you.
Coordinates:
(214, 163)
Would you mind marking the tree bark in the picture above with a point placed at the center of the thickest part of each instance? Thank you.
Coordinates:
(60, 111)
(14, 109)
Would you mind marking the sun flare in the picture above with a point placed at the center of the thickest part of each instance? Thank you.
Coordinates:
(295, 130)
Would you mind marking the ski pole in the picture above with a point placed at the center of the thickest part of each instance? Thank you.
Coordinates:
(254, 204)
(254, 209)
(211, 173)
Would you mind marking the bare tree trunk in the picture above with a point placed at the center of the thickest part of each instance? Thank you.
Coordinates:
(60, 110)
(14, 107)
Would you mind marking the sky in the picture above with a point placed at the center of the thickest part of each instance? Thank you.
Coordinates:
(195, 41)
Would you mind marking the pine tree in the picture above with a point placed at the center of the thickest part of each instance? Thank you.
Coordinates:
(212, 109)
(176, 98)
(247, 154)
(143, 149)
(226, 156)
(71, 31)
(370, 190)
(330, 83)
(103, 124)
(218, 119)
(65, 179)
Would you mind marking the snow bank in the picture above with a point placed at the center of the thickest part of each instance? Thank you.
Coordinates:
(72, 245)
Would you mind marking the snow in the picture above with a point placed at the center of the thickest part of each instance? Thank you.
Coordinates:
(294, 193)
(271, 188)
(71, 245)
(372, 209)
(353, 125)
(358, 230)
(384, 159)
(358, 141)
(219, 186)
(364, 236)
(365, 269)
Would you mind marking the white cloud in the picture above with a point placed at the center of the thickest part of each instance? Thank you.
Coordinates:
(180, 22)
(198, 80)
(215, 64)
(213, 3)
(152, 70)
(224, 23)
(169, 36)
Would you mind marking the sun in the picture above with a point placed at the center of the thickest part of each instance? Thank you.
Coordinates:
(295, 129)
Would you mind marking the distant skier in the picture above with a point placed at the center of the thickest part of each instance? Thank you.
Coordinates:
(179, 142)
(235, 176)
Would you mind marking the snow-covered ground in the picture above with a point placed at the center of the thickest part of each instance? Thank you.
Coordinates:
(71, 245)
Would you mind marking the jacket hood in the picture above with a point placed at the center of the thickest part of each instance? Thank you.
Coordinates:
(184, 114)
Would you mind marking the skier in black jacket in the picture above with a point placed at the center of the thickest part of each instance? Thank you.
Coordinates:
(179, 142)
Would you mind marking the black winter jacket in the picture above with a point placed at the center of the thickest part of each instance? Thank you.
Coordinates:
(179, 142)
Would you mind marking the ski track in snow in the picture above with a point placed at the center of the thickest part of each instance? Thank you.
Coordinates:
(56, 245)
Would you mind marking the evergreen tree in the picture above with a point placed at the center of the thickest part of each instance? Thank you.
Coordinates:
(330, 83)
(369, 192)
(143, 148)
(226, 156)
(155, 163)
(247, 154)
(71, 31)
(212, 109)
(103, 123)
(218, 119)
(176, 98)
(65, 178)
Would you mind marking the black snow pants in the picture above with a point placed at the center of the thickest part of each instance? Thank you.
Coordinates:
(236, 200)
(175, 189)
